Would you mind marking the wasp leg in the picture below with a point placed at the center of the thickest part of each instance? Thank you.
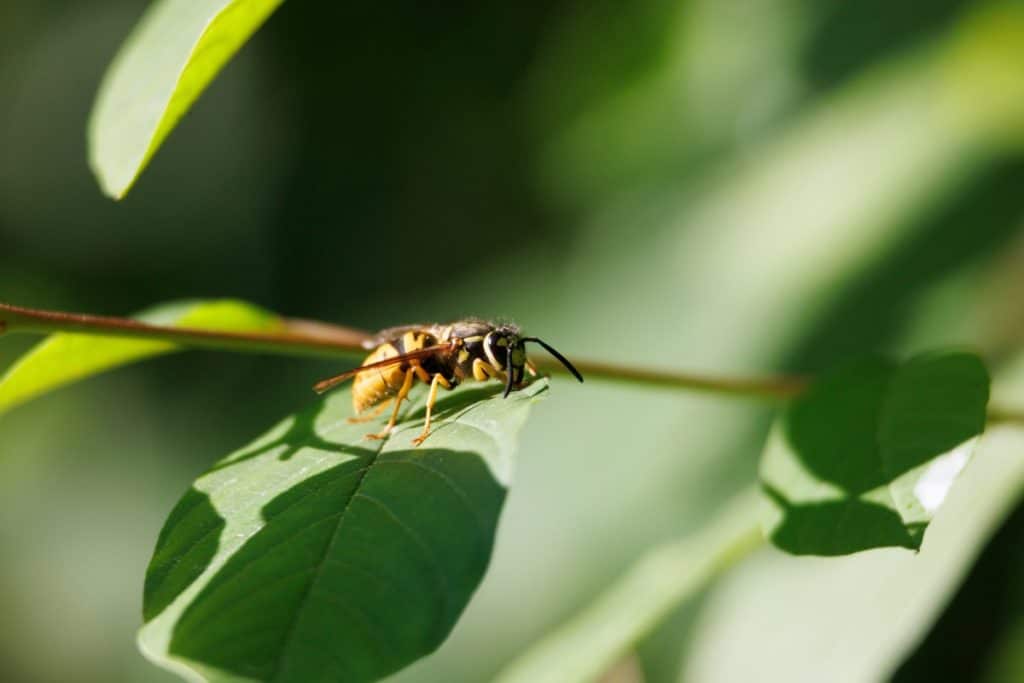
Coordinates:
(421, 373)
(402, 393)
(482, 370)
(372, 415)
(431, 399)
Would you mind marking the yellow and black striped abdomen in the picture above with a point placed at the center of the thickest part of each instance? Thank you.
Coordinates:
(373, 386)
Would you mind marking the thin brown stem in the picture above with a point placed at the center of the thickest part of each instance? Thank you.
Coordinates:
(783, 387)
(306, 337)
(296, 337)
(1004, 414)
(313, 338)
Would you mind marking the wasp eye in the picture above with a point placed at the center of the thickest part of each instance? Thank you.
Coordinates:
(495, 355)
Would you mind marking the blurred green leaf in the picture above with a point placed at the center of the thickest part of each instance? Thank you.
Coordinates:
(865, 611)
(983, 69)
(748, 224)
(67, 357)
(604, 632)
(1007, 663)
(313, 554)
(176, 50)
(864, 458)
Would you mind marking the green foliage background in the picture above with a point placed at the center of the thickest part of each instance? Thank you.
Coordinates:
(729, 187)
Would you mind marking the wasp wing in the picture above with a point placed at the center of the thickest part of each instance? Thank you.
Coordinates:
(390, 334)
(331, 382)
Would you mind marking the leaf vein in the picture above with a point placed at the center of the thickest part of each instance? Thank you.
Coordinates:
(459, 492)
(304, 601)
(441, 581)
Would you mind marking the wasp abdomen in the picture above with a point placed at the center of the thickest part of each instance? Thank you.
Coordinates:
(373, 386)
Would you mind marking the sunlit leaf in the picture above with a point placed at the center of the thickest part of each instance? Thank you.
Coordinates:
(67, 357)
(864, 458)
(176, 50)
(314, 554)
(866, 611)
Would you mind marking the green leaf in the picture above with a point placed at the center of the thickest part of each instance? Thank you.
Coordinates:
(607, 629)
(866, 611)
(68, 357)
(314, 554)
(176, 50)
(864, 458)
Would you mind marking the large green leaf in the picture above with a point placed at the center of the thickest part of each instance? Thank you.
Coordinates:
(314, 554)
(172, 55)
(67, 357)
(866, 456)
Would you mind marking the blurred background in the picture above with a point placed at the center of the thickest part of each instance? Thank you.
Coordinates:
(725, 186)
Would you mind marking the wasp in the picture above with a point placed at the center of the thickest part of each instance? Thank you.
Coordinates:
(441, 355)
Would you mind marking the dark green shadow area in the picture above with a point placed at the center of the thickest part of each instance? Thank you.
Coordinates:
(187, 543)
(935, 402)
(871, 421)
(190, 537)
(837, 527)
(449, 404)
(358, 571)
(300, 433)
(328, 557)
(861, 428)
(833, 428)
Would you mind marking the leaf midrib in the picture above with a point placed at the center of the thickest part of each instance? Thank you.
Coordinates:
(321, 563)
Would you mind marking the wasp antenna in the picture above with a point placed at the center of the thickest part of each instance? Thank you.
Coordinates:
(559, 357)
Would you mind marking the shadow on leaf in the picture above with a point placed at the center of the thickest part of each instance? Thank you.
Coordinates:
(447, 406)
(860, 429)
(833, 428)
(301, 432)
(187, 543)
(870, 421)
(837, 527)
(358, 571)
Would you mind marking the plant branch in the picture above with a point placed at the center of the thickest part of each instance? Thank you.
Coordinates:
(1004, 414)
(783, 387)
(296, 338)
(313, 338)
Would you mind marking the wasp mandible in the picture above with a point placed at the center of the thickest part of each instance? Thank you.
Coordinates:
(441, 355)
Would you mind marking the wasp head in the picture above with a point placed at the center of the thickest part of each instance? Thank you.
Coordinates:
(506, 349)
